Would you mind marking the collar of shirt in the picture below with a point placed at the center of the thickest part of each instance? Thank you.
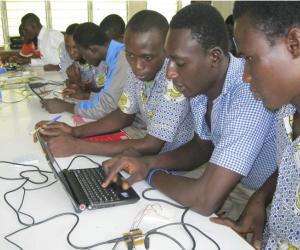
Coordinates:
(199, 102)
(234, 71)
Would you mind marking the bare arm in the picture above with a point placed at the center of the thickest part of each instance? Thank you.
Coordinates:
(204, 195)
(65, 144)
(252, 219)
(191, 155)
(56, 105)
(112, 122)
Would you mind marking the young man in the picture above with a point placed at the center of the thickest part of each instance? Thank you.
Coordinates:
(48, 41)
(148, 92)
(234, 132)
(114, 27)
(79, 74)
(95, 46)
(267, 35)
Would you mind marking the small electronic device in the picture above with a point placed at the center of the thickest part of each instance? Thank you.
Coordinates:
(83, 186)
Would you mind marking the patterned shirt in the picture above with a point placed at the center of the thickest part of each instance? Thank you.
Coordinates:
(165, 110)
(283, 228)
(242, 130)
(99, 73)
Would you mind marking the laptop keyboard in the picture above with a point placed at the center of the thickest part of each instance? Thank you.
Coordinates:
(90, 181)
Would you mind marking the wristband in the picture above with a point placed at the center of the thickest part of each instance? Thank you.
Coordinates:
(153, 172)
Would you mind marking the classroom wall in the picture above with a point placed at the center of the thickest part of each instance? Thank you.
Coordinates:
(225, 7)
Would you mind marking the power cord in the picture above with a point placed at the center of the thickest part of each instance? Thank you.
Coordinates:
(184, 224)
(127, 238)
(33, 222)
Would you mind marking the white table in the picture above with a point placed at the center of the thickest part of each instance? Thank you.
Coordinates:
(16, 122)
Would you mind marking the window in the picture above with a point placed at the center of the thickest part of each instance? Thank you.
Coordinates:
(58, 14)
(1, 27)
(66, 12)
(168, 12)
(106, 7)
(16, 9)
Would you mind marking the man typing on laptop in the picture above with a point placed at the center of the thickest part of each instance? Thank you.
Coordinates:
(165, 110)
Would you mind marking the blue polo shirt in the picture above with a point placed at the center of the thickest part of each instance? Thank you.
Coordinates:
(111, 59)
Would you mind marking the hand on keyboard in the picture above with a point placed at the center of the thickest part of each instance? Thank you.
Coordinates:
(136, 167)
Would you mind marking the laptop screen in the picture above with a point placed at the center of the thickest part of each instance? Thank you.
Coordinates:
(55, 167)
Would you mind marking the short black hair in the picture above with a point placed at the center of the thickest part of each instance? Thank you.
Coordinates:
(146, 20)
(87, 34)
(71, 29)
(274, 18)
(30, 17)
(229, 20)
(113, 24)
(206, 24)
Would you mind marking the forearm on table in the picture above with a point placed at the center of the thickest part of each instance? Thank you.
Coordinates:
(185, 191)
(110, 123)
(204, 195)
(111, 148)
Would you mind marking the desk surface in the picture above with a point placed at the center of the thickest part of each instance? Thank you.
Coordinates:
(17, 120)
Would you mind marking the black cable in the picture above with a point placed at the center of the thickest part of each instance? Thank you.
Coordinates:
(186, 229)
(85, 157)
(33, 223)
(115, 240)
(167, 236)
(186, 209)
(35, 92)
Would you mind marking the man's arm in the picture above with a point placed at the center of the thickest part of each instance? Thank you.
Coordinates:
(56, 105)
(188, 156)
(114, 121)
(65, 144)
(252, 219)
(204, 195)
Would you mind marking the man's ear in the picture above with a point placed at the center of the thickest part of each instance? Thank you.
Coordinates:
(215, 55)
(293, 41)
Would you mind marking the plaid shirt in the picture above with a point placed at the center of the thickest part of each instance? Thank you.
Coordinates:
(242, 130)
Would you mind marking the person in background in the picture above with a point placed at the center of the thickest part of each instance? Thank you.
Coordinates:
(234, 132)
(114, 27)
(95, 47)
(78, 74)
(48, 41)
(28, 50)
(267, 35)
(148, 93)
(229, 25)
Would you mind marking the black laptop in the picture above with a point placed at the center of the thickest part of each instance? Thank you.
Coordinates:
(83, 186)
